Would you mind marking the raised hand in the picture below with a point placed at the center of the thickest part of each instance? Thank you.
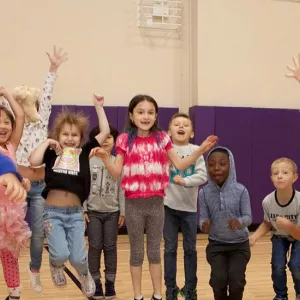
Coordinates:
(53, 144)
(98, 100)
(208, 143)
(294, 70)
(99, 152)
(57, 58)
(4, 92)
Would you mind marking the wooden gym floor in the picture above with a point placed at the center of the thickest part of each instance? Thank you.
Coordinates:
(259, 284)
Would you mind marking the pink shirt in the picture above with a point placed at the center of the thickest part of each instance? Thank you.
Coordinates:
(146, 165)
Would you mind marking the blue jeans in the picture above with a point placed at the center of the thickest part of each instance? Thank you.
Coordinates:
(187, 221)
(65, 228)
(280, 249)
(35, 219)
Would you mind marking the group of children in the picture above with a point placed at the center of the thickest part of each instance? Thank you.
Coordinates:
(153, 181)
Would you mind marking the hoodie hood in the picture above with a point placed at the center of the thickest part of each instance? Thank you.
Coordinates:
(232, 172)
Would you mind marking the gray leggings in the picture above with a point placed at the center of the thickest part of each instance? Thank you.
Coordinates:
(144, 214)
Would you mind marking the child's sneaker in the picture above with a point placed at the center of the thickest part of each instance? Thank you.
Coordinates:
(172, 294)
(188, 294)
(58, 275)
(88, 286)
(99, 291)
(14, 293)
(35, 280)
(154, 298)
(110, 292)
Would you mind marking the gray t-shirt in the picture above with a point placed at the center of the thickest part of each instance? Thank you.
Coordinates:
(272, 209)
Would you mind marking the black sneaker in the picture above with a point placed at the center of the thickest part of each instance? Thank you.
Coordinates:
(99, 291)
(172, 294)
(188, 294)
(12, 298)
(110, 292)
(153, 298)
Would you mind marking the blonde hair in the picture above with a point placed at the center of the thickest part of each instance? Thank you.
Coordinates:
(77, 119)
(286, 160)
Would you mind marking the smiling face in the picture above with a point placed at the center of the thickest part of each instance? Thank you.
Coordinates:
(143, 117)
(181, 130)
(218, 167)
(69, 136)
(6, 126)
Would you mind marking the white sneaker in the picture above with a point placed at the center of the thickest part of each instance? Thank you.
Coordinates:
(35, 280)
(14, 293)
(88, 286)
(58, 276)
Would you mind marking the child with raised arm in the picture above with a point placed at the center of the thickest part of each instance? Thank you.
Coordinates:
(104, 214)
(34, 133)
(181, 210)
(14, 229)
(280, 205)
(225, 213)
(144, 154)
(67, 181)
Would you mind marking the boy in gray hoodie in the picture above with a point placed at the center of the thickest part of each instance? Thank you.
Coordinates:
(225, 213)
(104, 214)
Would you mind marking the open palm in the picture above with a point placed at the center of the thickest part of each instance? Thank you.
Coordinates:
(57, 57)
(294, 70)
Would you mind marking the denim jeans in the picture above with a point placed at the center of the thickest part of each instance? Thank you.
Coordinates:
(35, 219)
(280, 249)
(102, 231)
(187, 221)
(65, 229)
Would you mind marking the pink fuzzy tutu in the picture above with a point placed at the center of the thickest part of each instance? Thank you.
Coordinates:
(14, 230)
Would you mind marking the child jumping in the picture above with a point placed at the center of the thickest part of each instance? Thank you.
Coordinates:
(67, 187)
(143, 155)
(104, 214)
(181, 210)
(14, 230)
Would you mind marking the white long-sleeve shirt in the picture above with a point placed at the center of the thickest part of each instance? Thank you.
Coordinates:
(180, 197)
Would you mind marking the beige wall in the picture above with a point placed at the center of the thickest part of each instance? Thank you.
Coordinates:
(243, 49)
(107, 51)
(231, 52)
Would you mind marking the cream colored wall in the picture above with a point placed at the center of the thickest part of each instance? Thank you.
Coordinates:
(243, 49)
(108, 53)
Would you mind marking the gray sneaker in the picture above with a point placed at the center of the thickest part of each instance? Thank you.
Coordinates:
(88, 286)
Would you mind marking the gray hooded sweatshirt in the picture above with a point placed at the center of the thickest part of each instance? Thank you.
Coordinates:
(220, 204)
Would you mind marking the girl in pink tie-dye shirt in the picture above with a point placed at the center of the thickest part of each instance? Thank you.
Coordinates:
(144, 153)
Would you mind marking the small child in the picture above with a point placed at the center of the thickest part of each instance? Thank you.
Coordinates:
(104, 214)
(67, 187)
(281, 208)
(181, 210)
(225, 213)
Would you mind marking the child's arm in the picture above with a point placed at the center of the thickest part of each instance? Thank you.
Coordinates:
(204, 220)
(263, 229)
(37, 156)
(245, 210)
(14, 189)
(56, 59)
(183, 163)
(289, 227)
(121, 197)
(199, 177)
(19, 117)
(102, 119)
(295, 70)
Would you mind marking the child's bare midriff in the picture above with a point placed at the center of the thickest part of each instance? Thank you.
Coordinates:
(62, 198)
(33, 174)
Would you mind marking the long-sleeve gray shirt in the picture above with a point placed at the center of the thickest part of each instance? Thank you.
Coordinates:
(220, 204)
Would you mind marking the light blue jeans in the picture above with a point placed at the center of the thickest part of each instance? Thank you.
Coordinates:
(65, 228)
(35, 219)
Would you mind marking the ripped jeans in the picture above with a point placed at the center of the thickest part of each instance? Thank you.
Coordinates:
(64, 228)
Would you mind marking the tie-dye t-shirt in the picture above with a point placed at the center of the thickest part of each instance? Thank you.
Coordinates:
(146, 164)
